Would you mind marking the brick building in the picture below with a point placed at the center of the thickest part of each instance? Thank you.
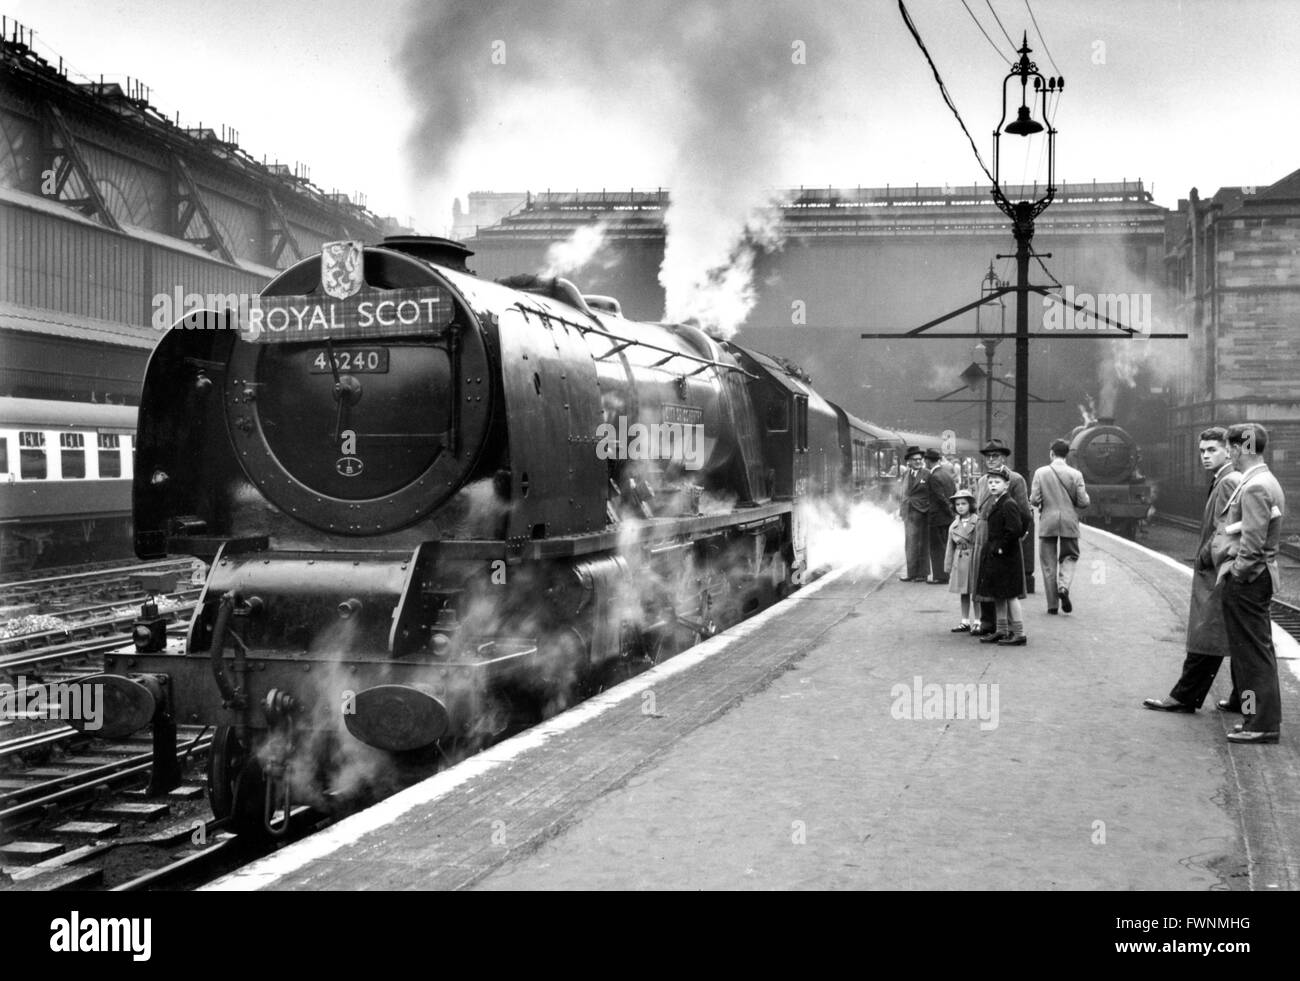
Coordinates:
(1234, 276)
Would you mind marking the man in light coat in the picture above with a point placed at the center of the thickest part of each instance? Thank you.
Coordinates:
(1254, 528)
(1207, 638)
(1058, 494)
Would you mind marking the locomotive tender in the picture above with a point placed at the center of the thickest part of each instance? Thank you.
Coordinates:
(393, 467)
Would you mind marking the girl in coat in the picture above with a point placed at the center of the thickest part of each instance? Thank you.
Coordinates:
(1001, 565)
(957, 559)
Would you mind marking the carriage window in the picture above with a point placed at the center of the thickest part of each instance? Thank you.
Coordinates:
(801, 422)
(110, 455)
(31, 455)
(72, 454)
(4, 454)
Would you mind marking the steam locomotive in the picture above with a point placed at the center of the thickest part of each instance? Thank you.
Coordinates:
(1108, 458)
(433, 504)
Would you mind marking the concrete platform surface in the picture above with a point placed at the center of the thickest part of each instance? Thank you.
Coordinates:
(845, 739)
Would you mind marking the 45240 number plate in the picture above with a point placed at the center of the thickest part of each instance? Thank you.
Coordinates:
(356, 360)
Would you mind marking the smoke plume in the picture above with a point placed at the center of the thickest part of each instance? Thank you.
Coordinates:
(713, 95)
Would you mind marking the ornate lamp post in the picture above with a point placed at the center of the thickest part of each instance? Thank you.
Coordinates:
(1022, 215)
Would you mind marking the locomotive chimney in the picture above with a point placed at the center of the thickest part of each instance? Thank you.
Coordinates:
(442, 251)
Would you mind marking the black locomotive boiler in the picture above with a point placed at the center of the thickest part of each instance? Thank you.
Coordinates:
(433, 503)
(1108, 457)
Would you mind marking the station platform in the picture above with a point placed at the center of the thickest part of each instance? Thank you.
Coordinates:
(806, 749)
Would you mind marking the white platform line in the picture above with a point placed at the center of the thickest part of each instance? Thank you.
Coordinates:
(291, 858)
(1288, 649)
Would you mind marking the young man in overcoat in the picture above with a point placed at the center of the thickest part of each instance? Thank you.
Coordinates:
(1207, 638)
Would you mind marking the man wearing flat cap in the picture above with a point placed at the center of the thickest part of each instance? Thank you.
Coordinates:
(942, 487)
(996, 454)
(914, 509)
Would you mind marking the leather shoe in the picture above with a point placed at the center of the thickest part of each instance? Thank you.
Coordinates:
(961, 628)
(1227, 705)
(1250, 736)
(1051, 613)
(1020, 641)
(1066, 605)
(994, 637)
(1167, 705)
(907, 578)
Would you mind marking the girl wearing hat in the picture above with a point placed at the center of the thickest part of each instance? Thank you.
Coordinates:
(1001, 564)
(956, 561)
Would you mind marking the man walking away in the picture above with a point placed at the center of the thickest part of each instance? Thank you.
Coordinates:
(914, 509)
(1254, 527)
(942, 487)
(1058, 494)
(1207, 639)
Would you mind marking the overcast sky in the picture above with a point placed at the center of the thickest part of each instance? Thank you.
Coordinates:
(1185, 93)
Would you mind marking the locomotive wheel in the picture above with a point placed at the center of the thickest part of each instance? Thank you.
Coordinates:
(225, 760)
(236, 784)
(249, 800)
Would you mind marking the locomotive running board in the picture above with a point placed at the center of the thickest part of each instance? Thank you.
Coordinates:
(653, 529)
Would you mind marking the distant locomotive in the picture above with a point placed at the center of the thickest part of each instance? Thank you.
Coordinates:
(430, 500)
(1108, 458)
(65, 487)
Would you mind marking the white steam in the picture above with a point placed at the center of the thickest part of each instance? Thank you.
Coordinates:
(585, 247)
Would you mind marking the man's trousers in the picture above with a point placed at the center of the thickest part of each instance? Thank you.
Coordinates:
(1057, 558)
(1250, 644)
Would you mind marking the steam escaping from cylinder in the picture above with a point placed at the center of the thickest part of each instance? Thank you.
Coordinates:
(708, 100)
(852, 535)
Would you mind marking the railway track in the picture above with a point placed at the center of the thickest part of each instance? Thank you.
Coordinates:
(111, 581)
(74, 812)
(99, 620)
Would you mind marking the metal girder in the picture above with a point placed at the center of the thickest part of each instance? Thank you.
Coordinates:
(65, 158)
(281, 233)
(191, 202)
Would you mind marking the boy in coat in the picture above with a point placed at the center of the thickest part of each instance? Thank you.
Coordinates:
(1002, 566)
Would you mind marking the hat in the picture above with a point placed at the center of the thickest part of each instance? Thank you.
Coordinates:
(962, 494)
(1002, 472)
(996, 445)
(911, 451)
(933, 455)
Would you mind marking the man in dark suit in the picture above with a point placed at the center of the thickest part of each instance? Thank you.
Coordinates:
(1250, 577)
(942, 487)
(1058, 494)
(914, 509)
(1207, 638)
